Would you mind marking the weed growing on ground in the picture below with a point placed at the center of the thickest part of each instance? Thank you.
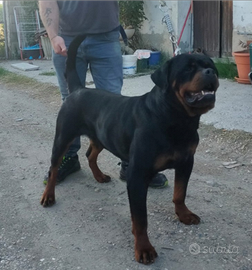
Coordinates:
(48, 73)
(226, 69)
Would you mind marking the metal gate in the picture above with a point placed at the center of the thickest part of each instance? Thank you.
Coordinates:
(213, 22)
(27, 25)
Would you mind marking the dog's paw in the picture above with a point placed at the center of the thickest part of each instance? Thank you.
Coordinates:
(189, 218)
(185, 215)
(144, 251)
(146, 255)
(103, 178)
(47, 199)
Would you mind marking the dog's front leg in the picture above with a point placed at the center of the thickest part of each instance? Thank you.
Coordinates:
(182, 175)
(137, 192)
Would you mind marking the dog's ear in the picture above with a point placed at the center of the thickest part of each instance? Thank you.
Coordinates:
(161, 76)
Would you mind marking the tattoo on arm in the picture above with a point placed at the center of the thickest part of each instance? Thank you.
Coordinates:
(48, 11)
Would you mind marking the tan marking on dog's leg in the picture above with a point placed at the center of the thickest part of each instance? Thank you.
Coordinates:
(92, 154)
(185, 215)
(48, 197)
(144, 251)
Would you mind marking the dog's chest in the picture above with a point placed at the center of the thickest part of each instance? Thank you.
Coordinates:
(171, 158)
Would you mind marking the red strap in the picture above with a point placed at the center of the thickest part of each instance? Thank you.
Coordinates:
(183, 28)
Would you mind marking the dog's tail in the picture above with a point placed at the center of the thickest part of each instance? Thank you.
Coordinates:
(71, 74)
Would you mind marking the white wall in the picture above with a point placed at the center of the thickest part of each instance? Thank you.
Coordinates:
(186, 42)
(155, 33)
(242, 23)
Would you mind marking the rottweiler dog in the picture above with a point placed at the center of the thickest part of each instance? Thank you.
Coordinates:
(152, 132)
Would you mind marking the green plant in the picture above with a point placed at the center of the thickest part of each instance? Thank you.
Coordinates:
(226, 69)
(31, 4)
(2, 41)
(3, 72)
(132, 14)
(2, 44)
(13, 78)
(48, 73)
(244, 45)
(36, 87)
(1, 12)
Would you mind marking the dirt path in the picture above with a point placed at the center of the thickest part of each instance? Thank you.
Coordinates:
(89, 227)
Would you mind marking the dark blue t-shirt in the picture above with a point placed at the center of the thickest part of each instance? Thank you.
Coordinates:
(88, 17)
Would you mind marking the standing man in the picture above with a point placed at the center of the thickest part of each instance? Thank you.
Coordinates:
(101, 51)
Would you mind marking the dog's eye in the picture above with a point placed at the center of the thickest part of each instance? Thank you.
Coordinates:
(207, 65)
(190, 68)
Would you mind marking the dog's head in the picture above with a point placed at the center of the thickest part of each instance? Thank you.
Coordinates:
(193, 78)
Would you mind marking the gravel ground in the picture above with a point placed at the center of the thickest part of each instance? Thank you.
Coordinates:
(89, 227)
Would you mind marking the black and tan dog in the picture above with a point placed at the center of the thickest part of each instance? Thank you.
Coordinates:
(153, 132)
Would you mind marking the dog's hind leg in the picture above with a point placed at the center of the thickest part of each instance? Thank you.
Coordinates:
(92, 154)
(60, 146)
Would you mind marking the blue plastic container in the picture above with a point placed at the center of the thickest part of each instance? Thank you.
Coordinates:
(31, 52)
(154, 58)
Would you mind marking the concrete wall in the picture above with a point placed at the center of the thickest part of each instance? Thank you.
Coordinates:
(155, 33)
(242, 23)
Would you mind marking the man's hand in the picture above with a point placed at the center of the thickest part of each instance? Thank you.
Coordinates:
(59, 45)
(49, 13)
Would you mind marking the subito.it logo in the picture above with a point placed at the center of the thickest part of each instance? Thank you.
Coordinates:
(194, 249)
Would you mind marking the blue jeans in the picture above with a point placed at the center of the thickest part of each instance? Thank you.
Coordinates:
(102, 52)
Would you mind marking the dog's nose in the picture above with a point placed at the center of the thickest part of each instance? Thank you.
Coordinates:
(208, 71)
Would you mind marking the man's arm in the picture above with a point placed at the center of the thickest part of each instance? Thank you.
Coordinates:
(49, 13)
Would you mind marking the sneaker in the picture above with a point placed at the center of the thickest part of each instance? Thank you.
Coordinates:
(158, 181)
(68, 165)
